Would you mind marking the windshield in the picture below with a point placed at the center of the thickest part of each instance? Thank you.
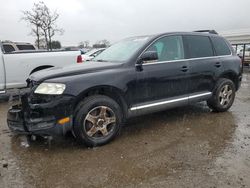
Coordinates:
(122, 50)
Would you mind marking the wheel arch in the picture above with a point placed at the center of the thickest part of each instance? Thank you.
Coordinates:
(110, 91)
(41, 68)
(231, 76)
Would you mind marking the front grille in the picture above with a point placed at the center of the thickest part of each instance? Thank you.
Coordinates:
(40, 99)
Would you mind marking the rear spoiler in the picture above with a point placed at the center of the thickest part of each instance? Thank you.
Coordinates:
(207, 31)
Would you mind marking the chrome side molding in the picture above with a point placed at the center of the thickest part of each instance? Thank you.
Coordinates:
(153, 104)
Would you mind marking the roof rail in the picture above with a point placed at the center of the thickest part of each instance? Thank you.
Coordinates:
(207, 31)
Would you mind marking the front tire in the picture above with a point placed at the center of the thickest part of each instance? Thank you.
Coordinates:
(223, 95)
(97, 120)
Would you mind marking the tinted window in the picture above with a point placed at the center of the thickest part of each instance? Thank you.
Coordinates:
(220, 46)
(8, 48)
(168, 48)
(199, 46)
(25, 47)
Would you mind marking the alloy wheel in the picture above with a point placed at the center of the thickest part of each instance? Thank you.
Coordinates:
(225, 95)
(99, 122)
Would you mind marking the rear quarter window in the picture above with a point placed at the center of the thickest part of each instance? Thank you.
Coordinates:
(8, 48)
(198, 46)
(220, 46)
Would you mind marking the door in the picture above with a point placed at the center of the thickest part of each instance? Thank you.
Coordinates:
(166, 78)
(203, 65)
(2, 74)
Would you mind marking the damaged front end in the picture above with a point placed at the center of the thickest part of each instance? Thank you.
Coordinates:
(41, 114)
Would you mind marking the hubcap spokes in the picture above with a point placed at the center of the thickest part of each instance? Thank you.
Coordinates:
(225, 95)
(99, 122)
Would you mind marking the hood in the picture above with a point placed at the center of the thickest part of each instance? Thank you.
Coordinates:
(86, 67)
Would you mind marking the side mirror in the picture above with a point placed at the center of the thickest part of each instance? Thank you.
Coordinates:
(148, 56)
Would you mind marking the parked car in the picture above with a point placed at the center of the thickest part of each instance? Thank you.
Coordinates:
(88, 56)
(247, 55)
(17, 46)
(136, 76)
(17, 66)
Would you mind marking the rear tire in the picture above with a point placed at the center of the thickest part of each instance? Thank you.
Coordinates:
(97, 120)
(223, 95)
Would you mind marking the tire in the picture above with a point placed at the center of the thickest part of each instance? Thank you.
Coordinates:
(97, 120)
(223, 96)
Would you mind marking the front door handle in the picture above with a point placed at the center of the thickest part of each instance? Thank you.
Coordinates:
(217, 64)
(184, 68)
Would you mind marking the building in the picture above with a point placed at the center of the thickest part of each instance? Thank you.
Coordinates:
(240, 40)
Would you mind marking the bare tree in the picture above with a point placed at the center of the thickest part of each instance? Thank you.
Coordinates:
(33, 18)
(44, 21)
(81, 44)
(105, 42)
(86, 43)
(101, 44)
(49, 26)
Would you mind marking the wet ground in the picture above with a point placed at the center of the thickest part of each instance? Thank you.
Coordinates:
(184, 147)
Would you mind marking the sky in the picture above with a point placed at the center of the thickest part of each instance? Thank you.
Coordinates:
(114, 20)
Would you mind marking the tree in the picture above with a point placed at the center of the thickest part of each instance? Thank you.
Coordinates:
(84, 44)
(81, 45)
(105, 42)
(33, 18)
(49, 26)
(42, 43)
(101, 44)
(55, 44)
(43, 23)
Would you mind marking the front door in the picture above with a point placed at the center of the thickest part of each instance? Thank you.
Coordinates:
(2, 74)
(165, 80)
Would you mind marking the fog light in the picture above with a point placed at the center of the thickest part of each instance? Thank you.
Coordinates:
(63, 121)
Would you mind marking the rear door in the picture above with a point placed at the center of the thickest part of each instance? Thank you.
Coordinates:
(203, 65)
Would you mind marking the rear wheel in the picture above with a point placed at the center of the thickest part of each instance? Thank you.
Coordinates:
(223, 96)
(97, 120)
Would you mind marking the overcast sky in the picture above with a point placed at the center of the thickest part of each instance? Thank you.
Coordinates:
(113, 20)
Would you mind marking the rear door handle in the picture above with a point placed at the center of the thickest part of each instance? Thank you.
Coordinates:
(184, 68)
(217, 64)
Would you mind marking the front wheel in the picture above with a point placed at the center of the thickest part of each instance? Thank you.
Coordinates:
(97, 120)
(223, 96)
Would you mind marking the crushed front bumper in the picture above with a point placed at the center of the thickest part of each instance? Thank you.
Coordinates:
(39, 115)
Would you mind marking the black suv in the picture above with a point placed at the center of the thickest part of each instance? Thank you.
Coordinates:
(135, 76)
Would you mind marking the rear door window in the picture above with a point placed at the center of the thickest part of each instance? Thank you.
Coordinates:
(198, 46)
(220, 46)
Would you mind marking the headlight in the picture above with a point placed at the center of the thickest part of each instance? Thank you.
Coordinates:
(50, 88)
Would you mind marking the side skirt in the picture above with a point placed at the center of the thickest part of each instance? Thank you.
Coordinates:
(159, 105)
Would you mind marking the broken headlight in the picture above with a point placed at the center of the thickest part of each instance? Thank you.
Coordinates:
(50, 88)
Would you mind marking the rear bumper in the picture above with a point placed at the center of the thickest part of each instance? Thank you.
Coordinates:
(239, 82)
(41, 118)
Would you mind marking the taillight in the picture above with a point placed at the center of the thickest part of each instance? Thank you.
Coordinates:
(79, 59)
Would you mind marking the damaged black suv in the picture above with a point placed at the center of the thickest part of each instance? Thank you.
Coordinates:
(135, 76)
